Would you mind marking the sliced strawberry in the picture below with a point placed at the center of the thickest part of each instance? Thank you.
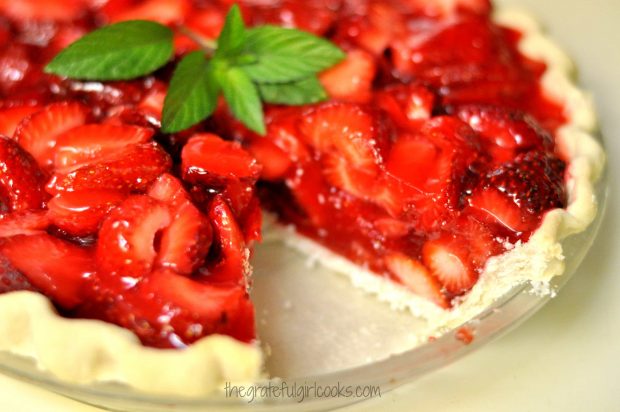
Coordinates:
(406, 105)
(11, 118)
(153, 103)
(345, 128)
(351, 80)
(415, 160)
(84, 144)
(81, 213)
(161, 11)
(275, 162)
(21, 180)
(533, 180)
(315, 16)
(452, 53)
(354, 181)
(219, 308)
(515, 194)
(433, 165)
(110, 8)
(23, 223)
(199, 298)
(441, 175)
(133, 168)
(168, 189)
(65, 35)
(232, 266)
(285, 134)
(429, 212)
(59, 270)
(506, 129)
(482, 243)
(311, 192)
(37, 134)
(27, 10)
(451, 134)
(447, 8)
(459, 146)
(206, 23)
(448, 260)
(372, 28)
(392, 228)
(382, 190)
(416, 277)
(133, 116)
(17, 71)
(506, 89)
(185, 243)
(239, 195)
(207, 158)
(109, 94)
(495, 207)
(167, 310)
(393, 194)
(126, 246)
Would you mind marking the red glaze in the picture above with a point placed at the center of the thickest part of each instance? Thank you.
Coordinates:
(60, 270)
(435, 149)
(80, 213)
(21, 179)
(465, 335)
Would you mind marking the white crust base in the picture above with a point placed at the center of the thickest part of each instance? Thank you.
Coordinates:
(86, 351)
(538, 260)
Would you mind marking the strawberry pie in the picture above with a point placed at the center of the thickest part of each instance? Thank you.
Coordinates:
(451, 156)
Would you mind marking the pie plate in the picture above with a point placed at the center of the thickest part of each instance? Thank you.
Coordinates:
(318, 330)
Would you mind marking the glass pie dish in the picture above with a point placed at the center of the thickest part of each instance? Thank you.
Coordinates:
(318, 330)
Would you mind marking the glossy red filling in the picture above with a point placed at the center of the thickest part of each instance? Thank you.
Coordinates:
(435, 152)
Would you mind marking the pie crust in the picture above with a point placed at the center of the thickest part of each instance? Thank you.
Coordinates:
(102, 352)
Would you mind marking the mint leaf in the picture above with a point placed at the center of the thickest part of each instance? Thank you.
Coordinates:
(243, 98)
(233, 35)
(305, 91)
(117, 52)
(192, 94)
(286, 55)
(276, 64)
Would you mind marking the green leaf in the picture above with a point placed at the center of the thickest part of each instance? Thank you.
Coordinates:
(117, 52)
(233, 35)
(286, 55)
(243, 98)
(192, 94)
(305, 91)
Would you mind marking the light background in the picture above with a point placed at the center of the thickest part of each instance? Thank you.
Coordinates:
(566, 358)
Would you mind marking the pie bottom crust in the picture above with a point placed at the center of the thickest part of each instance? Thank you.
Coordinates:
(83, 351)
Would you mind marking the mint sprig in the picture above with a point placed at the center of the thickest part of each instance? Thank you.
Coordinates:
(304, 91)
(247, 66)
(233, 37)
(243, 98)
(192, 94)
(286, 55)
(117, 52)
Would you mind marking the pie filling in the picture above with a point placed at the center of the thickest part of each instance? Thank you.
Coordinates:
(434, 152)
